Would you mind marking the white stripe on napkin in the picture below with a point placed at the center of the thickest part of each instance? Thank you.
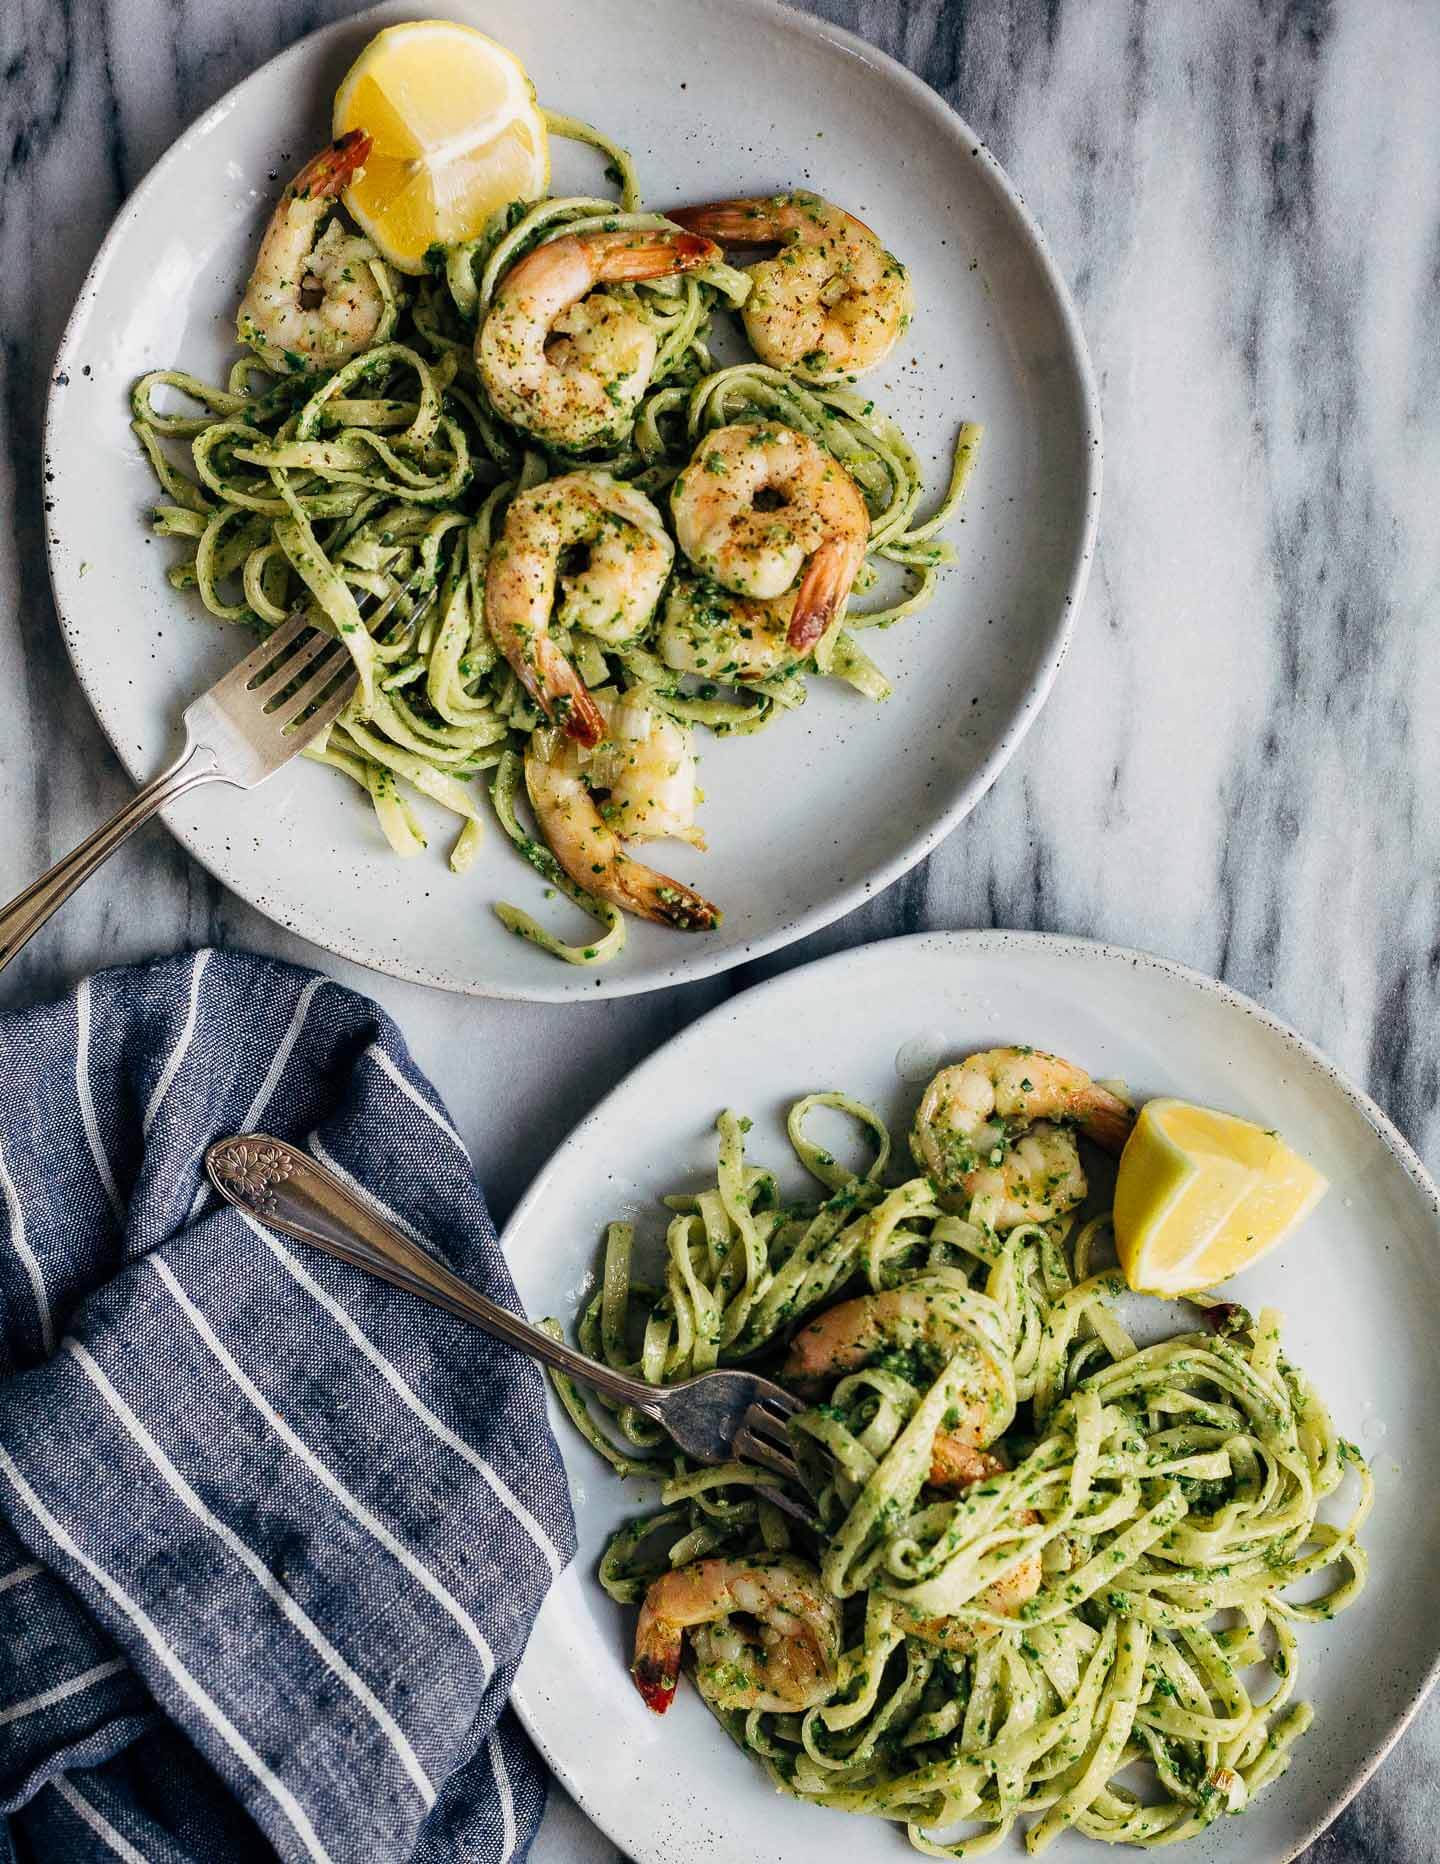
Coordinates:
(383, 1062)
(507, 1796)
(26, 1254)
(16, 1711)
(97, 1821)
(282, 1054)
(150, 1631)
(272, 1077)
(318, 1469)
(87, 1102)
(264, 1578)
(501, 1489)
(172, 1067)
(19, 1574)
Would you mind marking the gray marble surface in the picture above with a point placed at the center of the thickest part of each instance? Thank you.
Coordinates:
(1239, 765)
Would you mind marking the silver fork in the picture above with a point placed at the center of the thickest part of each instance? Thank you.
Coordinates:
(715, 1417)
(240, 732)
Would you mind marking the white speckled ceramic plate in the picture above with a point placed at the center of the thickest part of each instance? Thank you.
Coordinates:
(714, 97)
(1359, 1286)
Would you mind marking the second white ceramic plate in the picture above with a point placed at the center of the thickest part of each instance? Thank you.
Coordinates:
(715, 97)
(1359, 1286)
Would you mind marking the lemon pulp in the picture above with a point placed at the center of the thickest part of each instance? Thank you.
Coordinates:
(455, 134)
(1201, 1195)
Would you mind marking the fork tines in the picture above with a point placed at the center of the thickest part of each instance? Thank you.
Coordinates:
(301, 678)
(292, 652)
(765, 1439)
(767, 1392)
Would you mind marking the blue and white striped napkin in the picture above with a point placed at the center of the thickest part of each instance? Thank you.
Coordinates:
(272, 1534)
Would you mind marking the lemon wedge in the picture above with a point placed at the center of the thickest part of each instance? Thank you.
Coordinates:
(1201, 1195)
(455, 133)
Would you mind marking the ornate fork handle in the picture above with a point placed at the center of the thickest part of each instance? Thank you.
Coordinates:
(286, 1189)
(23, 917)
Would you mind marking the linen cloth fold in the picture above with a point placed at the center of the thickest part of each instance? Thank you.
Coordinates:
(272, 1534)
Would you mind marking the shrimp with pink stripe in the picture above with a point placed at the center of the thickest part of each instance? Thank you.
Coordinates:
(762, 508)
(319, 294)
(831, 302)
(562, 357)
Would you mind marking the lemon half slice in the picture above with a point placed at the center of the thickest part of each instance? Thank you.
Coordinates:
(1201, 1195)
(455, 133)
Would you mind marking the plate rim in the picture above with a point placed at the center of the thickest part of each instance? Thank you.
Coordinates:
(588, 986)
(971, 941)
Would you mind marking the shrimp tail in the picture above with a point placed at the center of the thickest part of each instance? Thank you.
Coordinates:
(655, 1683)
(634, 257)
(587, 849)
(665, 901)
(732, 223)
(563, 695)
(822, 592)
(656, 1668)
(1106, 1119)
(329, 173)
(762, 221)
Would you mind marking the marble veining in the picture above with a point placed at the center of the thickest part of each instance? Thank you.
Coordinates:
(1238, 767)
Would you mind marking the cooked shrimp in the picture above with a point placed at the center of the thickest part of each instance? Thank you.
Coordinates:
(313, 303)
(1005, 1596)
(758, 503)
(831, 302)
(640, 787)
(1039, 1176)
(781, 1652)
(987, 1127)
(959, 1636)
(614, 552)
(569, 367)
(959, 1465)
(712, 631)
(612, 593)
(914, 1320)
(642, 774)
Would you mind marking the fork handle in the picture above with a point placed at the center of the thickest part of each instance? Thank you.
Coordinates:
(287, 1190)
(28, 911)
